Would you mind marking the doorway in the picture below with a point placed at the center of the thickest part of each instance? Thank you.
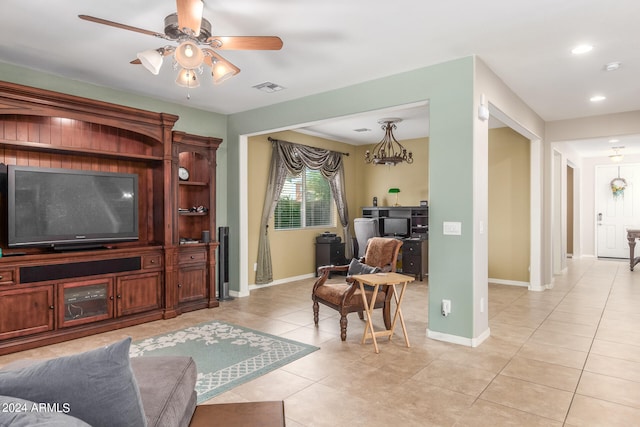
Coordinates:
(570, 210)
(617, 208)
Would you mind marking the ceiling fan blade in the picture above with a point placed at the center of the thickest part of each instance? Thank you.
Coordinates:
(122, 26)
(245, 42)
(190, 15)
(221, 69)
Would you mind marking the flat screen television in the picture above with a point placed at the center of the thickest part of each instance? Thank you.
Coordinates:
(395, 227)
(65, 208)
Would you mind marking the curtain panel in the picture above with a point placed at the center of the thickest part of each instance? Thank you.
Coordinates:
(289, 158)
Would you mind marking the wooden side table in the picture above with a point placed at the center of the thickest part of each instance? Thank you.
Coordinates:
(632, 235)
(383, 279)
(243, 414)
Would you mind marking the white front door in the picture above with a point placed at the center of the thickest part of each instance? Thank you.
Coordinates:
(616, 213)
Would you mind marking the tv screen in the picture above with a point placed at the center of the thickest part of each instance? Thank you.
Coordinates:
(397, 227)
(57, 207)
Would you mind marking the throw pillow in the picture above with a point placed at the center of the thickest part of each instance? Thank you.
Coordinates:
(357, 267)
(98, 386)
(16, 412)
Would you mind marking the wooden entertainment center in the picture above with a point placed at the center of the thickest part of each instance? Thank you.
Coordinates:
(48, 297)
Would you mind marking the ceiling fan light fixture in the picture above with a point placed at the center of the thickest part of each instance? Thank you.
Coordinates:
(188, 55)
(187, 78)
(151, 60)
(221, 69)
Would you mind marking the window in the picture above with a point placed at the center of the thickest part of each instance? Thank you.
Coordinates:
(305, 201)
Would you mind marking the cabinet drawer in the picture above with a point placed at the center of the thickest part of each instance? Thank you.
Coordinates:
(411, 249)
(152, 261)
(411, 265)
(192, 256)
(7, 277)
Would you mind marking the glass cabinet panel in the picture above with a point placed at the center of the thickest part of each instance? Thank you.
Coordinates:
(87, 301)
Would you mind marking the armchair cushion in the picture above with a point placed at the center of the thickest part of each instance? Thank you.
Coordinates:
(357, 267)
(334, 293)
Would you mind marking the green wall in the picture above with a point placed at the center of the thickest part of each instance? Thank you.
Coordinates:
(449, 89)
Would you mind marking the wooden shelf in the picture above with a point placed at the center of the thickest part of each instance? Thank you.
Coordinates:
(194, 183)
(48, 148)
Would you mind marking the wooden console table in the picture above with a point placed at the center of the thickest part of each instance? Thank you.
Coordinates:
(632, 235)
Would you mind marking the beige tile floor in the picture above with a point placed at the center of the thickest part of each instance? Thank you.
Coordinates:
(566, 356)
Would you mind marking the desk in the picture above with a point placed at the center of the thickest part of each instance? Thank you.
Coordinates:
(632, 235)
(376, 280)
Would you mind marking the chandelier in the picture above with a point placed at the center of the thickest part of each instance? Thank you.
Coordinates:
(388, 151)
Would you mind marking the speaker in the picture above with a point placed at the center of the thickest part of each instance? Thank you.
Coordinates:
(223, 267)
(38, 273)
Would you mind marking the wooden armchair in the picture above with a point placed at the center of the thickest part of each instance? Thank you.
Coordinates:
(346, 297)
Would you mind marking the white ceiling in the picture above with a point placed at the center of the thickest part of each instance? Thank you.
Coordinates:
(336, 43)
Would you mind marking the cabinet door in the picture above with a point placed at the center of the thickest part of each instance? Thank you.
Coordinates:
(138, 293)
(192, 282)
(26, 311)
(85, 302)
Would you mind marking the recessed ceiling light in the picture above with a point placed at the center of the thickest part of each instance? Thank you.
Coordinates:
(612, 66)
(580, 49)
(613, 141)
(597, 98)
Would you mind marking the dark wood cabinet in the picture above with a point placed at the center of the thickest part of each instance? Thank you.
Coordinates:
(192, 275)
(418, 217)
(415, 257)
(48, 297)
(138, 293)
(26, 311)
(194, 215)
(331, 253)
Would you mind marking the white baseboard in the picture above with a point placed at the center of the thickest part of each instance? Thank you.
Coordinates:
(509, 282)
(282, 281)
(456, 339)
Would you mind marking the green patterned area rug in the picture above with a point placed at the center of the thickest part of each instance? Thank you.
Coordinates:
(226, 355)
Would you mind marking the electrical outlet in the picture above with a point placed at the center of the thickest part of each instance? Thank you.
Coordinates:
(446, 307)
(481, 305)
(255, 266)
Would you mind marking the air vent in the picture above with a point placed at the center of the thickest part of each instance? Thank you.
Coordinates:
(269, 87)
(362, 130)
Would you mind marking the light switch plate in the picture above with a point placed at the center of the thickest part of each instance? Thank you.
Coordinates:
(452, 228)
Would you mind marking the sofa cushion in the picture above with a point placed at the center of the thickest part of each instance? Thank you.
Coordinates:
(167, 386)
(97, 385)
(16, 412)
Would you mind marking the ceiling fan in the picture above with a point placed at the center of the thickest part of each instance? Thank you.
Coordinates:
(196, 44)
